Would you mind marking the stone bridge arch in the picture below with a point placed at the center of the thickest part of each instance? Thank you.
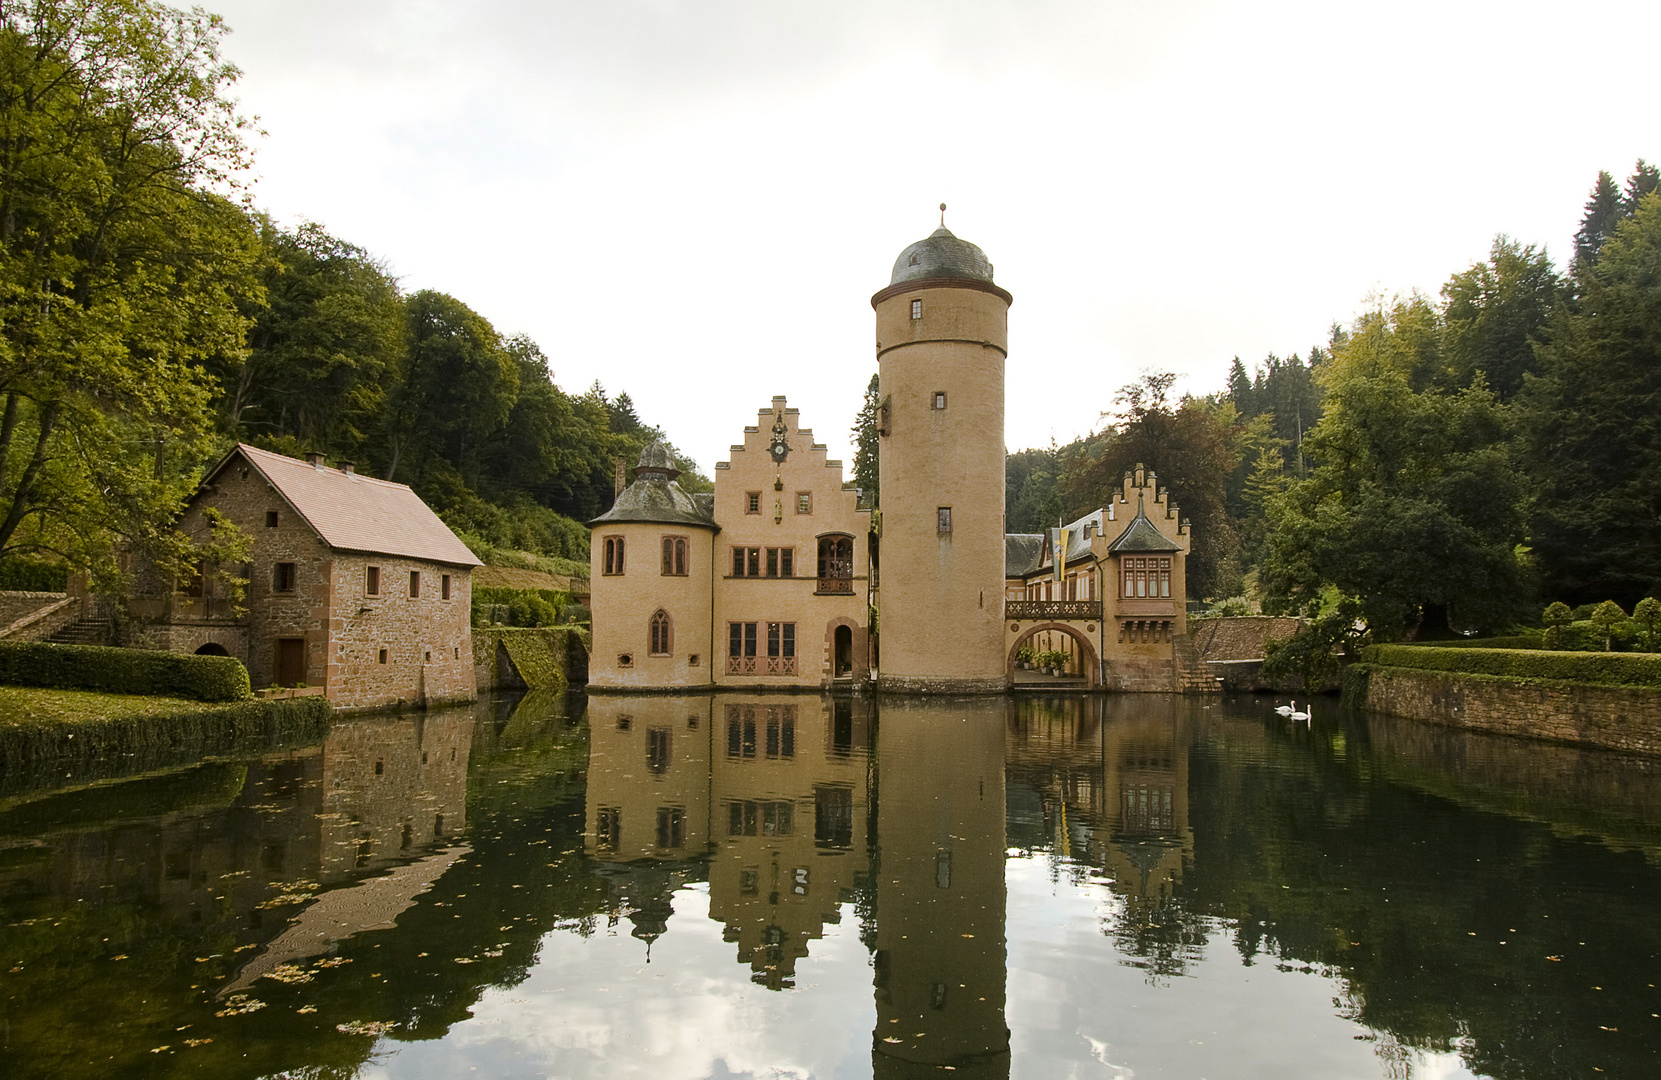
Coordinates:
(1088, 660)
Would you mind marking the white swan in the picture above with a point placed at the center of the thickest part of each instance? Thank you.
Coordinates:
(1287, 710)
(1296, 715)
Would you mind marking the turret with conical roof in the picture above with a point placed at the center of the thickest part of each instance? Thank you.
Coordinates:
(941, 346)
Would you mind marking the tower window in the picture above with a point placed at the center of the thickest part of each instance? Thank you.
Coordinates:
(916, 309)
(943, 520)
(939, 399)
(613, 560)
(752, 502)
(804, 502)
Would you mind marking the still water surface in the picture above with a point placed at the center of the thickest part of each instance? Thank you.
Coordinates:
(795, 886)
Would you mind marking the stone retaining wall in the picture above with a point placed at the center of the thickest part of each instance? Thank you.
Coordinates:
(1613, 718)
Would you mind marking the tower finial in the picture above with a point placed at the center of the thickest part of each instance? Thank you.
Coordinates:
(942, 215)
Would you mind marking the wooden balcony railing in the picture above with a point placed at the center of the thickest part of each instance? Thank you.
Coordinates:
(1052, 609)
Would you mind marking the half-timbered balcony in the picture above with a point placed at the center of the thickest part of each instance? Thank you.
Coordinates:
(1052, 609)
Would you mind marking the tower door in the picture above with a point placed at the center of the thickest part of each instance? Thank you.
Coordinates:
(291, 661)
(844, 652)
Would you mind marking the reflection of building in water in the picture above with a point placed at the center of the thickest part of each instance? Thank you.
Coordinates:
(1104, 782)
(789, 782)
(940, 891)
(392, 785)
(772, 790)
(220, 847)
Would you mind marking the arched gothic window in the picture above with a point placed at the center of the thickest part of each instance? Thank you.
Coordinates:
(659, 633)
(674, 556)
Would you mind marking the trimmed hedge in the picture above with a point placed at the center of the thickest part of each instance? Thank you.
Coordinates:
(1516, 641)
(123, 671)
(23, 574)
(1600, 669)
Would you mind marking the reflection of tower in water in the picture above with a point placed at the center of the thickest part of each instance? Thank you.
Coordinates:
(940, 890)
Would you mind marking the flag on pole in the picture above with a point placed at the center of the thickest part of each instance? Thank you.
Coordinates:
(1058, 556)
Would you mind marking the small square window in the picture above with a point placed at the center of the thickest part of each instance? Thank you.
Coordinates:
(428, 655)
(444, 587)
(752, 503)
(271, 519)
(282, 577)
(414, 584)
(804, 502)
(943, 520)
(372, 581)
(916, 309)
(383, 656)
(939, 400)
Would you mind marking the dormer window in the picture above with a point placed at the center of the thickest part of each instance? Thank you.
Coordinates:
(914, 261)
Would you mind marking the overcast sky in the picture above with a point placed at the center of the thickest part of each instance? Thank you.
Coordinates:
(694, 201)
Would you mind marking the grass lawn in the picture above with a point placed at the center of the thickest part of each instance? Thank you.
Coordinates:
(28, 706)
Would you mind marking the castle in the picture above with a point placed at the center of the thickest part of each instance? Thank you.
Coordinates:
(782, 579)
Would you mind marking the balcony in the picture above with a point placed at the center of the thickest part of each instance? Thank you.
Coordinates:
(836, 586)
(1053, 609)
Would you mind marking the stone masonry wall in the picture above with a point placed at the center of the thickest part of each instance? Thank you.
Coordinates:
(392, 647)
(1609, 717)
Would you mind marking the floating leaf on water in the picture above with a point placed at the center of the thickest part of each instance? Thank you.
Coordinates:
(238, 1004)
(197, 1042)
(289, 973)
(332, 961)
(365, 1027)
(306, 1010)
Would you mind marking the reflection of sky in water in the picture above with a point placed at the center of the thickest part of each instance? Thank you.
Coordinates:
(594, 1008)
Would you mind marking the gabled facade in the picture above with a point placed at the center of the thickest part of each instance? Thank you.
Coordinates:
(762, 584)
(1117, 608)
(354, 585)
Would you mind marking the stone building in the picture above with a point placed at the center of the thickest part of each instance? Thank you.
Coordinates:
(1115, 604)
(354, 585)
(762, 583)
(780, 580)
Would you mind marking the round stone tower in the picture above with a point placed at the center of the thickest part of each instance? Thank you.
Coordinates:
(942, 332)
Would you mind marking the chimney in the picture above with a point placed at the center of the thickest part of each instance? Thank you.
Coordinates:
(620, 481)
(349, 468)
(316, 460)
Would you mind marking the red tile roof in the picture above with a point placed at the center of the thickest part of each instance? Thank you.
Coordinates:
(358, 513)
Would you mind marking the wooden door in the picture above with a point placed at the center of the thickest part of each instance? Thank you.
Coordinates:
(291, 661)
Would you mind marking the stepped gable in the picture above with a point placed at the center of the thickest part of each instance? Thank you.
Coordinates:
(357, 513)
(1140, 535)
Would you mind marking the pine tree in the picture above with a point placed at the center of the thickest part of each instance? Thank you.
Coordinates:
(1241, 390)
(1603, 210)
(1645, 178)
(865, 443)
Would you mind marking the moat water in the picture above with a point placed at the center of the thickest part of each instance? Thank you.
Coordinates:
(796, 886)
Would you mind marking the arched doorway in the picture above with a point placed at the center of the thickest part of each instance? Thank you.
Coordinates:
(212, 648)
(1090, 668)
(842, 653)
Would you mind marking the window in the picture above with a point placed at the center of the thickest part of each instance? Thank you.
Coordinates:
(746, 562)
(939, 401)
(658, 631)
(674, 556)
(608, 828)
(943, 520)
(270, 515)
(625, 659)
(752, 502)
(804, 502)
(612, 559)
(444, 587)
(657, 749)
(414, 584)
(741, 639)
(781, 562)
(692, 661)
(836, 564)
(916, 309)
(282, 577)
(671, 827)
(1147, 577)
(371, 581)
(197, 586)
(383, 656)
(750, 818)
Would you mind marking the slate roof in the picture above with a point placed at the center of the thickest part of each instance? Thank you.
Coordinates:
(941, 255)
(654, 496)
(357, 513)
(1022, 553)
(1140, 535)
